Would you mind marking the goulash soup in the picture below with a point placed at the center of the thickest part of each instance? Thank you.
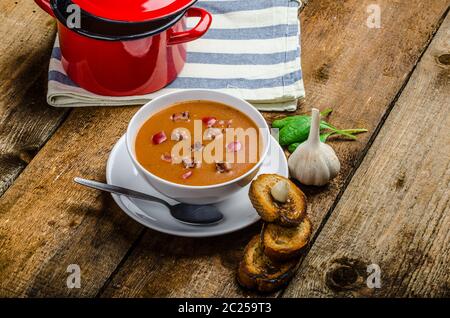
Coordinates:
(198, 143)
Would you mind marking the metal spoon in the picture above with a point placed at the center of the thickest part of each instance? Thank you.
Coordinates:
(187, 213)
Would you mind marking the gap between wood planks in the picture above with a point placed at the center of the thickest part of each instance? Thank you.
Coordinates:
(122, 261)
(367, 147)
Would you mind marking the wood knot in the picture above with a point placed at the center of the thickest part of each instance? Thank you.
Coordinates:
(400, 182)
(323, 73)
(444, 59)
(346, 274)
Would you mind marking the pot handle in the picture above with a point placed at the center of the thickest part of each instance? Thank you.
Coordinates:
(45, 5)
(195, 33)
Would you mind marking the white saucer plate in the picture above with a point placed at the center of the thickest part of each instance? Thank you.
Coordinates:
(238, 210)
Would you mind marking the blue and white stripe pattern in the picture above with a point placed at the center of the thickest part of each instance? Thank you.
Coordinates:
(251, 51)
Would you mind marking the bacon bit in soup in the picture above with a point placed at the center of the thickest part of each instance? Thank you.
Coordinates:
(183, 116)
(189, 163)
(166, 157)
(179, 134)
(197, 146)
(209, 121)
(187, 175)
(212, 133)
(234, 146)
(159, 138)
(223, 123)
(222, 167)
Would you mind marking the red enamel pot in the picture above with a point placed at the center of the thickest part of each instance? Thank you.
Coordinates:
(116, 49)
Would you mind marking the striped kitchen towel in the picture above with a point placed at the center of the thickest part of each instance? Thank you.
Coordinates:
(251, 51)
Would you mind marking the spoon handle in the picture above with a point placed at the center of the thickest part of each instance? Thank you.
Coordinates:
(119, 190)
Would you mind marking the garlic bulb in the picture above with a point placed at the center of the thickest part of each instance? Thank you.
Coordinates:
(314, 162)
(280, 191)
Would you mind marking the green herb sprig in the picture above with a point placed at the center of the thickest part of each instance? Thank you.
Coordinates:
(294, 130)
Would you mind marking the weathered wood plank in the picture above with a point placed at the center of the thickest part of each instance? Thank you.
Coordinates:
(396, 210)
(356, 70)
(47, 222)
(26, 121)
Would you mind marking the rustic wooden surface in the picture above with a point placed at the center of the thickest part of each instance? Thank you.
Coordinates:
(351, 81)
(26, 121)
(395, 211)
(47, 222)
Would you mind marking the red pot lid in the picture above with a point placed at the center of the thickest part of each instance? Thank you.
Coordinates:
(133, 10)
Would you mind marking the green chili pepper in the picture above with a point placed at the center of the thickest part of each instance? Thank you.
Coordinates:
(324, 137)
(299, 131)
(295, 129)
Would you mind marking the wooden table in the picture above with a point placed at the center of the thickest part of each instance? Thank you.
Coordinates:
(390, 205)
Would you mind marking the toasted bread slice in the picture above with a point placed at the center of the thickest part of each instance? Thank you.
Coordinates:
(284, 243)
(257, 272)
(289, 213)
